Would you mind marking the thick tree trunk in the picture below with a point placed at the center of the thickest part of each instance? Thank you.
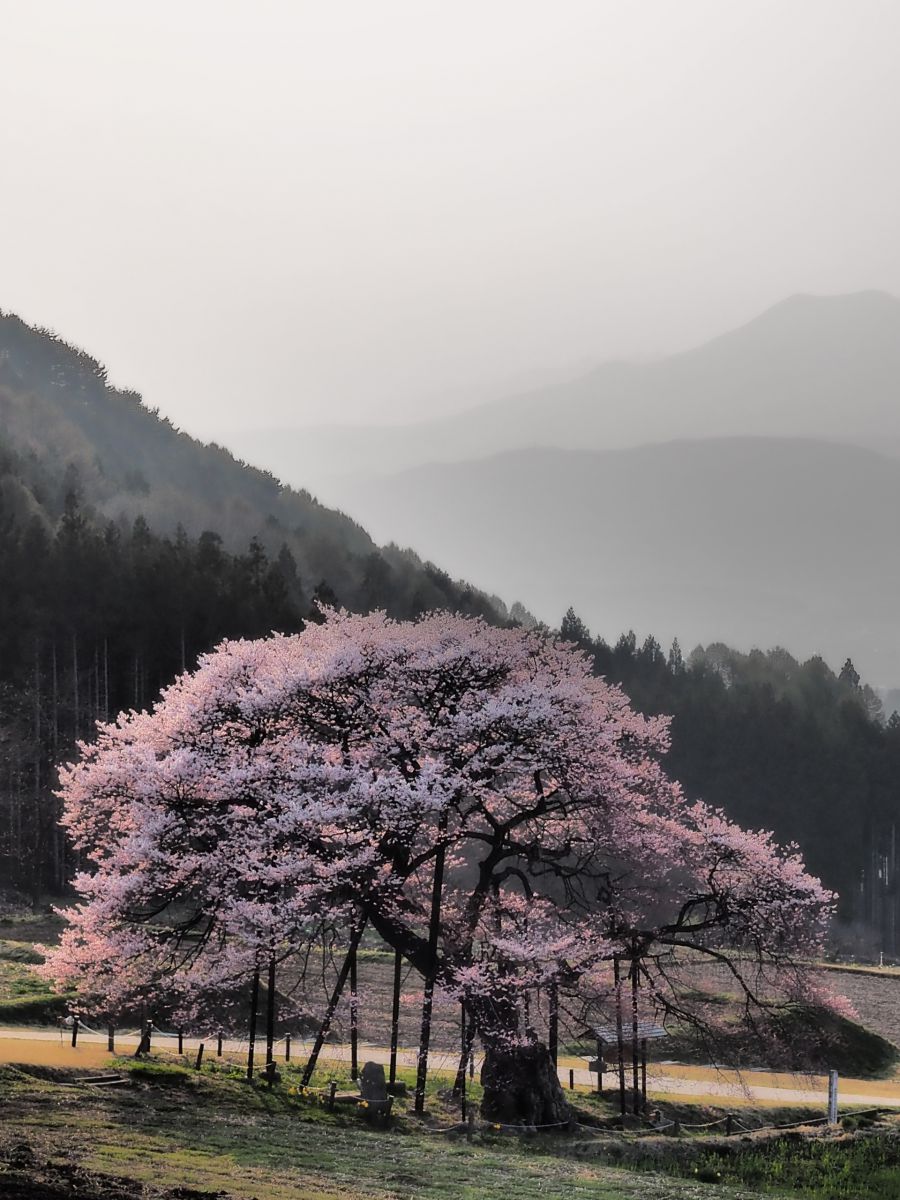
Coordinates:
(521, 1087)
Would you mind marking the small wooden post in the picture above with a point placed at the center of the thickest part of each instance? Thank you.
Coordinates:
(287, 1047)
(181, 1041)
(111, 1038)
(332, 1088)
(644, 1072)
(354, 1019)
(729, 1125)
(199, 1057)
(219, 1044)
(254, 1008)
(571, 1080)
(395, 1017)
(832, 1097)
(148, 1036)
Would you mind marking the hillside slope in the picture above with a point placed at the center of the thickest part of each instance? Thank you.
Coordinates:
(77, 434)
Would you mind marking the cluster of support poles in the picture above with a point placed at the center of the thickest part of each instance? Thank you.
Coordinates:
(466, 1065)
(638, 1045)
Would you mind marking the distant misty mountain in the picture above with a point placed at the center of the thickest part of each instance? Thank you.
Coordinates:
(821, 367)
(751, 541)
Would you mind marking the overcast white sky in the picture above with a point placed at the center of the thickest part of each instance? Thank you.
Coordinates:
(270, 213)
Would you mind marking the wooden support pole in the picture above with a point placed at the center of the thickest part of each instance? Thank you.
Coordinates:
(354, 1018)
(553, 1022)
(332, 1005)
(395, 1017)
(254, 1010)
(111, 1038)
(571, 1080)
(635, 1047)
(467, 1040)
(270, 1018)
(620, 1034)
(181, 1041)
(199, 1057)
(464, 1054)
(644, 1072)
(219, 1044)
(434, 929)
(287, 1047)
(75, 1031)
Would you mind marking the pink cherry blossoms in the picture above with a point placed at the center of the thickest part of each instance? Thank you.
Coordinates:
(398, 774)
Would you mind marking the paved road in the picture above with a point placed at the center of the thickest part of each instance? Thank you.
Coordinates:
(53, 1047)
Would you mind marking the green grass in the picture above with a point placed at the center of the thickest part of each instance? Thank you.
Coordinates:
(39, 1008)
(20, 952)
(212, 1132)
(208, 1130)
(859, 1167)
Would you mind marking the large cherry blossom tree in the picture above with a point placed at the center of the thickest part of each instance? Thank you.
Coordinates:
(474, 795)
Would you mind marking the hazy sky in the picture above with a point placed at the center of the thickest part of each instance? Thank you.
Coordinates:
(281, 213)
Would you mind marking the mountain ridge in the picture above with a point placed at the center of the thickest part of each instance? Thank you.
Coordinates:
(820, 366)
(749, 541)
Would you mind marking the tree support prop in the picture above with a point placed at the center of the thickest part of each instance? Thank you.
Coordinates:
(332, 1005)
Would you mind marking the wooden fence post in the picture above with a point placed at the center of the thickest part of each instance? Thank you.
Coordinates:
(199, 1057)
(111, 1038)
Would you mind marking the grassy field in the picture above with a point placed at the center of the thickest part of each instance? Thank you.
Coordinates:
(171, 1132)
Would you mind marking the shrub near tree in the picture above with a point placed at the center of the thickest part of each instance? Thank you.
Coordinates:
(476, 796)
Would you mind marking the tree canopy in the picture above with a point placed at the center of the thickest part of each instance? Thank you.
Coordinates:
(476, 795)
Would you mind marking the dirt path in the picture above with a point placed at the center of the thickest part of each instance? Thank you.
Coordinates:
(52, 1047)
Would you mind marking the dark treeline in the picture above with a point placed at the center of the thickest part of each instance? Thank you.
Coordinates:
(780, 745)
(98, 617)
